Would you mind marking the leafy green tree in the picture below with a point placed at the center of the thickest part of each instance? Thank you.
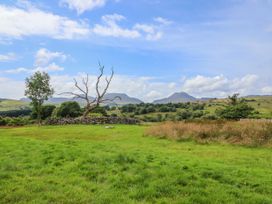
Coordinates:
(70, 109)
(234, 100)
(184, 115)
(235, 109)
(38, 90)
(46, 112)
(235, 112)
(164, 109)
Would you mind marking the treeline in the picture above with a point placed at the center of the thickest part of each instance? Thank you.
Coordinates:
(234, 109)
(144, 108)
(16, 113)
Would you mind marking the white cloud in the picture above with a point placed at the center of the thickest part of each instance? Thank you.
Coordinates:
(111, 28)
(154, 94)
(13, 89)
(150, 31)
(27, 20)
(43, 62)
(48, 68)
(44, 56)
(163, 21)
(18, 70)
(267, 90)
(7, 57)
(18, 22)
(220, 86)
(83, 5)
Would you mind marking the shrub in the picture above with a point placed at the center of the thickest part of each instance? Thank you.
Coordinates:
(235, 109)
(143, 111)
(197, 114)
(70, 109)
(100, 109)
(46, 112)
(18, 121)
(164, 109)
(127, 108)
(3, 122)
(184, 115)
(55, 113)
(235, 112)
(15, 113)
(209, 117)
(151, 109)
(159, 117)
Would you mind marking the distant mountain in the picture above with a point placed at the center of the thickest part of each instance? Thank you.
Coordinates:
(125, 99)
(181, 97)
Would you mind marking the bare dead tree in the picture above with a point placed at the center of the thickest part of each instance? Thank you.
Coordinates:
(91, 104)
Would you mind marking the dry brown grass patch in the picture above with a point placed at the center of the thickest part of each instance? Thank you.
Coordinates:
(249, 133)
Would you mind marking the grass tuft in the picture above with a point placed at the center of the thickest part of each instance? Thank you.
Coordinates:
(248, 133)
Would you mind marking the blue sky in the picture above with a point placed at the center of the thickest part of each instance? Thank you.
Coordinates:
(204, 47)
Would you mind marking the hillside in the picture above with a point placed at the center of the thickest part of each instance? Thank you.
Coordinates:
(181, 97)
(263, 104)
(7, 104)
(124, 99)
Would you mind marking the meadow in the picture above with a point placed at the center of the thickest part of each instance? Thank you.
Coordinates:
(7, 105)
(93, 164)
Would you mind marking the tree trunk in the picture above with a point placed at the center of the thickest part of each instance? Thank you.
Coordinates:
(39, 118)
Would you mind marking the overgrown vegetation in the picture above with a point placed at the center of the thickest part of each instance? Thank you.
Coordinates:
(16, 113)
(248, 132)
(235, 109)
(15, 121)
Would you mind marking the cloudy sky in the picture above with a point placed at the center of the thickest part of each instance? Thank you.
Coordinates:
(208, 48)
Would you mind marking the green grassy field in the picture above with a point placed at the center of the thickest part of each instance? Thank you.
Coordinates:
(92, 164)
(6, 105)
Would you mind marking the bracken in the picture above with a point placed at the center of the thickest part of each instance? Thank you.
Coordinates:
(248, 133)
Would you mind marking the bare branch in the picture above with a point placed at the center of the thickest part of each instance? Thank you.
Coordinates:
(73, 94)
(90, 105)
(78, 87)
(101, 68)
(108, 81)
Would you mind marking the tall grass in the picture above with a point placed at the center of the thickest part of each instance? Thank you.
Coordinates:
(249, 133)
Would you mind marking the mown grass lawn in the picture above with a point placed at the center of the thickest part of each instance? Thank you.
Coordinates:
(91, 164)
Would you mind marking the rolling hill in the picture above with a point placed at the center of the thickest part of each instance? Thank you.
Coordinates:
(181, 97)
